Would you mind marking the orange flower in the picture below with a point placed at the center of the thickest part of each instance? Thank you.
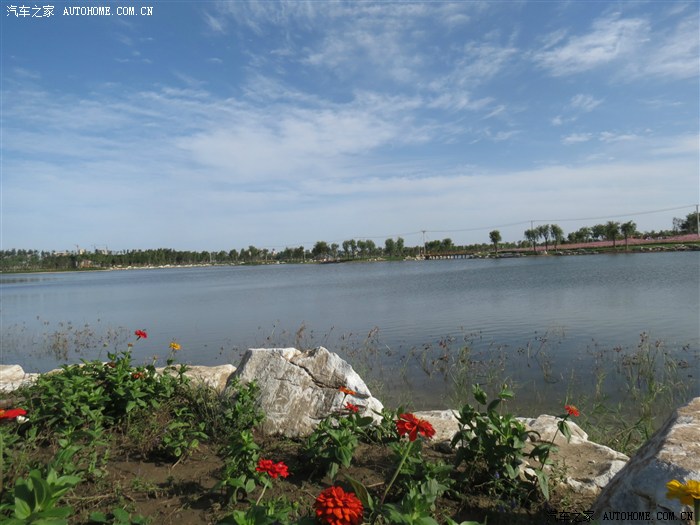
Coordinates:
(352, 408)
(273, 469)
(12, 413)
(572, 410)
(334, 506)
(347, 391)
(411, 425)
(137, 375)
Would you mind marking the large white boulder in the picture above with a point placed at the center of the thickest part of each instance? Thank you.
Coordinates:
(13, 376)
(298, 389)
(673, 452)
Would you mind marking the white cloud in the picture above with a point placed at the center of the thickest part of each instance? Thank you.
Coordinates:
(610, 39)
(585, 102)
(607, 136)
(576, 138)
(677, 55)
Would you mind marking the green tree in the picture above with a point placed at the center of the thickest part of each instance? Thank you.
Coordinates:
(495, 237)
(543, 231)
(557, 234)
(371, 247)
(581, 235)
(687, 225)
(598, 232)
(628, 229)
(320, 249)
(399, 246)
(389, 247)
(612, 231)
(532, 235)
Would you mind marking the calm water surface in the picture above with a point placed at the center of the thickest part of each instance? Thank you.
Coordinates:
(547, 323)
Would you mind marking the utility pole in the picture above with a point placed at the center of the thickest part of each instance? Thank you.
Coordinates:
(424, 248)
(697, 220)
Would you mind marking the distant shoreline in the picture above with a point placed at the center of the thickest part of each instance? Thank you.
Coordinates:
(690, 242)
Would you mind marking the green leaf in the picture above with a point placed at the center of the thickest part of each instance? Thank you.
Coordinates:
(425, 520)
(506, 393)
(99, 517)
(22, 509)
(361, 492)
(479, 394)
(543, 482)
(42, 494)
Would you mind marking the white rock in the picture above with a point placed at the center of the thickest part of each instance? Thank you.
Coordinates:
(298, 389)
(443, 421)
(215, 377)
(13, 377)
(673, 452)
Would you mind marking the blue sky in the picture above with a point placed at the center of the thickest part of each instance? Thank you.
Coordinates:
(216, 125)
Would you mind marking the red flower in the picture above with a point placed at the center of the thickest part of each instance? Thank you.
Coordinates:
(13, 413)
(140, 333)
(352, 408)
(273, 469)
(347, 391)
(572, 410)
(137, 375)
(411, 425)
(334, 506)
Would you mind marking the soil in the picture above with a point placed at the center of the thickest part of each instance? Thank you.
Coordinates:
(183, 494)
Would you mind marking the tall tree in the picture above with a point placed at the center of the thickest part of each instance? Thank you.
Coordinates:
(598, 231)
(612, 230)
(628, 229)
(389, 247)
(495, 237)
(399, 246)
(543, 231)
(320, 249)
(532, 235)
(557, 234)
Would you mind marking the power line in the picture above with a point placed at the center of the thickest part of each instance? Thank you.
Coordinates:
(481, 228)
(616, 216)
(561, 220)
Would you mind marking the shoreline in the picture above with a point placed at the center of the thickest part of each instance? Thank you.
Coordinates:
(681, 243)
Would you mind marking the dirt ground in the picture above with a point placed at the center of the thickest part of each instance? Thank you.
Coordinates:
(183, 494)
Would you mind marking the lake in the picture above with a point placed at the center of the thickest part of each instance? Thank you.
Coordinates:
(418, 331)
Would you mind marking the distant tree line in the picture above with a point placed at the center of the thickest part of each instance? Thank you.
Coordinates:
(351, 249)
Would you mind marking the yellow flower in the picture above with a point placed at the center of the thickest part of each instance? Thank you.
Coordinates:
(686, 493)
(175, 346)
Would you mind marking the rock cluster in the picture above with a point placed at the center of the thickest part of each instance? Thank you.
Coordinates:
(299, 388)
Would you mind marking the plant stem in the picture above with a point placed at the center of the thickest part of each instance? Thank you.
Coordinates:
(396, 474)
(261, 494)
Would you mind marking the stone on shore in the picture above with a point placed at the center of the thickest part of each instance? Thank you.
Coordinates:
(214, 377)
(673, 452)
(588, 466)
(299, 389)
(13, 377)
